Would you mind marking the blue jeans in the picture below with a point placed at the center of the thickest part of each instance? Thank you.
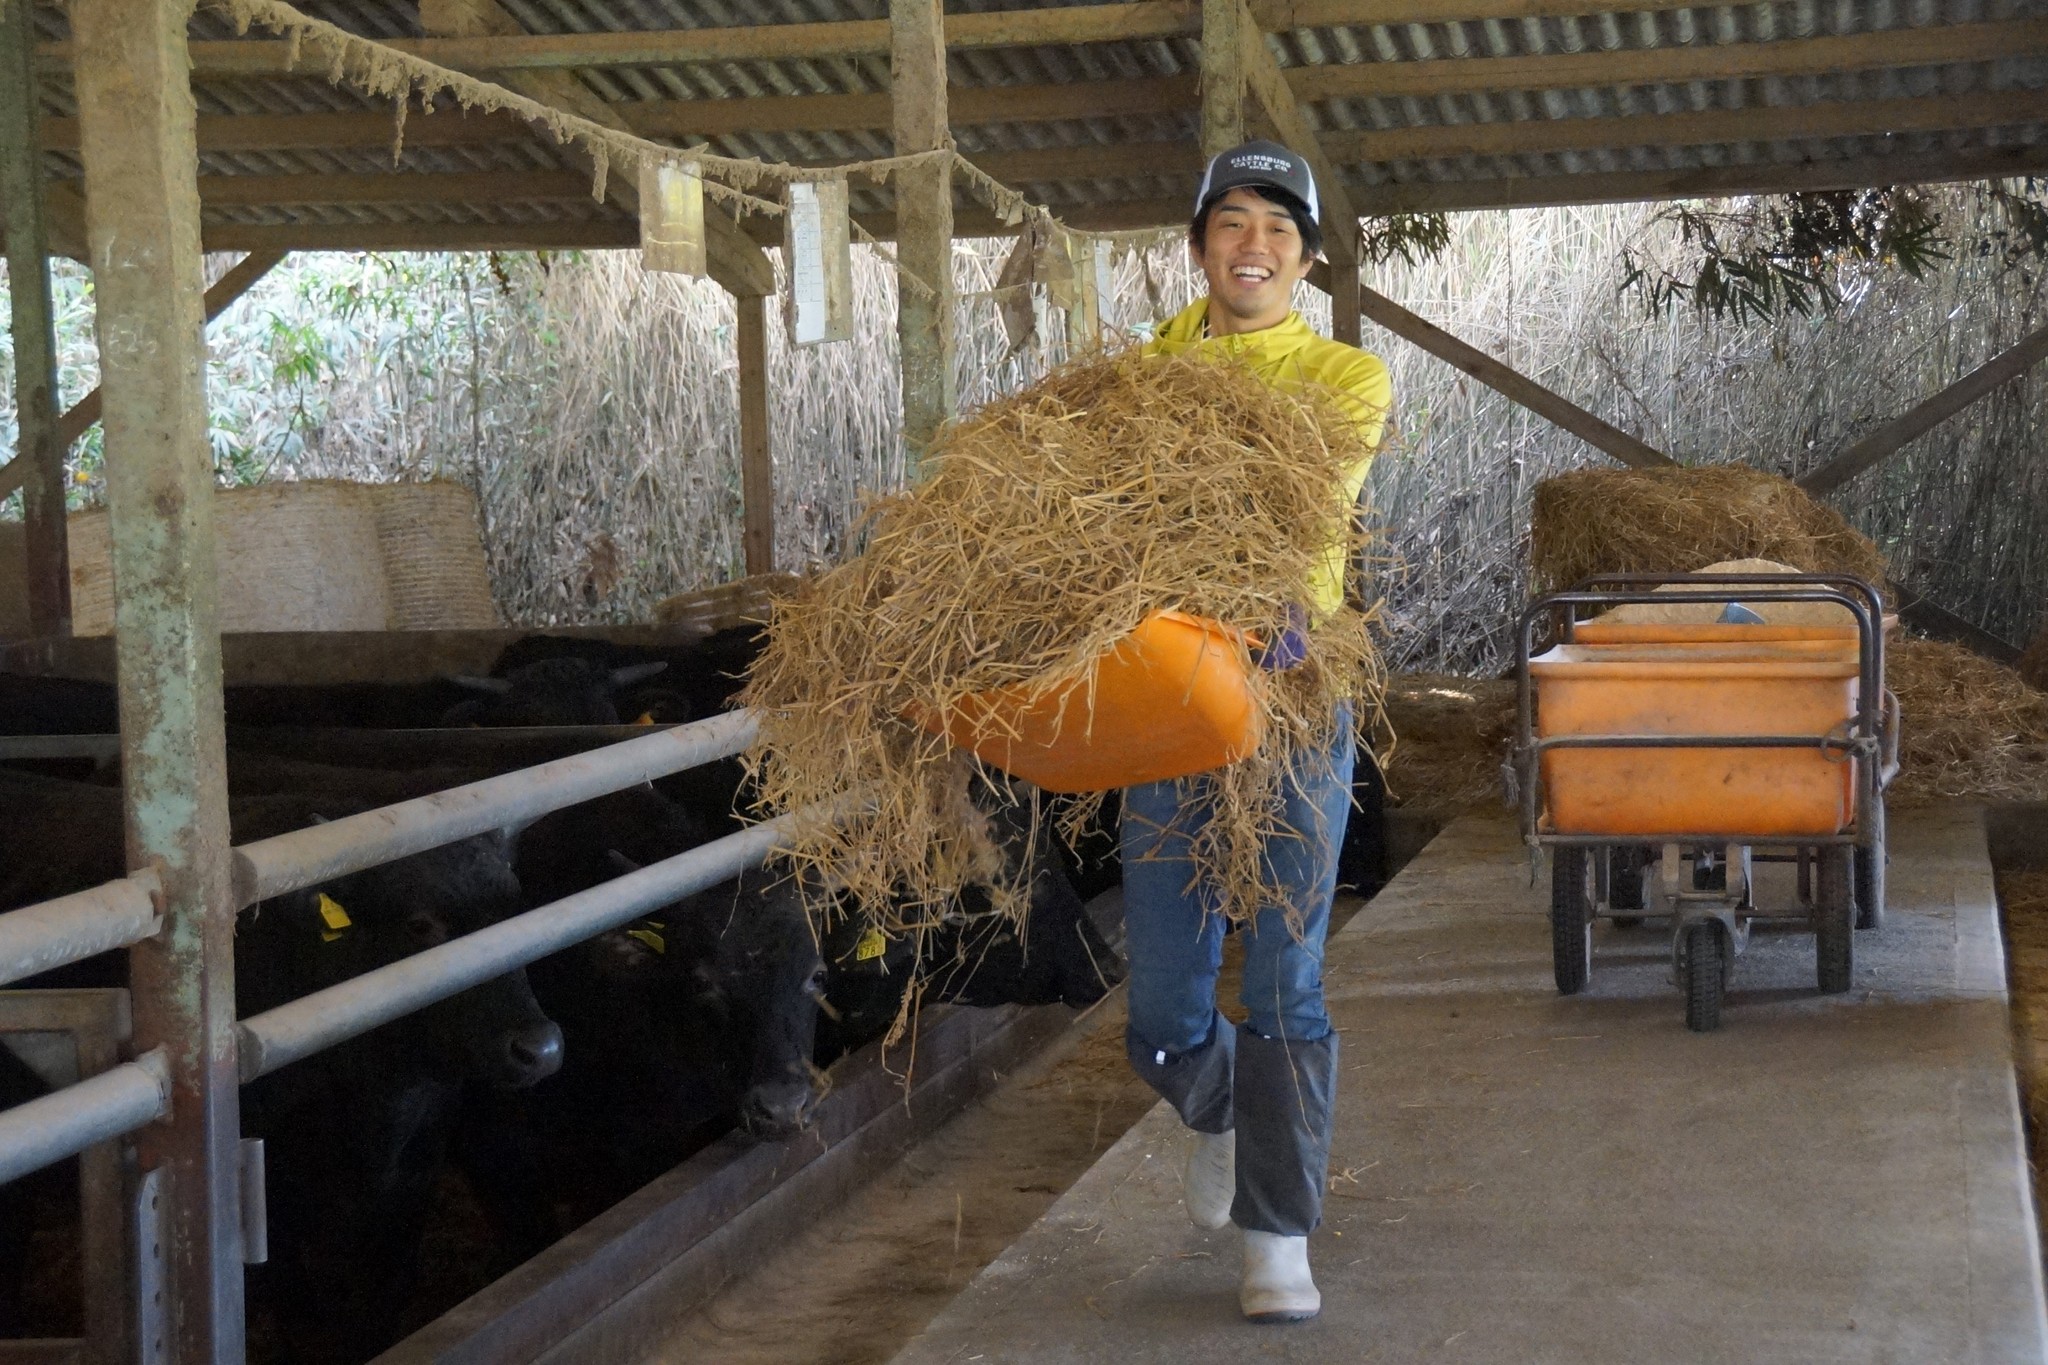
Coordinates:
(1175, 935)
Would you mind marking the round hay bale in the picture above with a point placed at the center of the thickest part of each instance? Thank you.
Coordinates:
(316, 554)
(433, 556)
(1594, 521)
(1707, 613)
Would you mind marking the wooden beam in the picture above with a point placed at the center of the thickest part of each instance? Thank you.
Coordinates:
(1928, 414)
(1148, 19)
(978, 104)
(142, 225)
(78, 418)
(757, 460)
(568, 235)
(454, 187)
(1703, 182)
(1602, 436)
(47, 571)
(1224, 89)
(924, 214)
(735, 261)
(1855, 118)
(1268, 85)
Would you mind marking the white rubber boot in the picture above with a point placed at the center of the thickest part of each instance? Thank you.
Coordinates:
(1211, 1180)
(1277, 1286)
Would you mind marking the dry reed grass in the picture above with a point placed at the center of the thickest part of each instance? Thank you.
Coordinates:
(1047, 527)
(1970, 729)
(1594, 521)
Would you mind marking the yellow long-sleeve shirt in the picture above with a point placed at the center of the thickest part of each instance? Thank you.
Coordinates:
(1290, 356)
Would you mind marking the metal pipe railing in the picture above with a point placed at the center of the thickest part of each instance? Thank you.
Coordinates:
(14, 747)
(42, 937)
(306, 857)
(66, 1122)
(283, 1035)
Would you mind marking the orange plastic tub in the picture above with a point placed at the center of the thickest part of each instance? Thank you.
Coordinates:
(1171, 699)
(1698, 680)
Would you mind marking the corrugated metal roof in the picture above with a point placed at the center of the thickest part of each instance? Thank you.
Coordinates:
(1651, 102)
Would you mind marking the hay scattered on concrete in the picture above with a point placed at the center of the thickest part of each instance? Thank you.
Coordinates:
(1594, 521)
(1972, 730)
(1047, 527)
(1451, 735)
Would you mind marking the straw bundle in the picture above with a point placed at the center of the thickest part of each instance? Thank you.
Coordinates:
(1970, 729)
(1595, 521)
(1048, 526)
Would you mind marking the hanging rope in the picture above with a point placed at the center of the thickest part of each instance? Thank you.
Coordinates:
(383, 72)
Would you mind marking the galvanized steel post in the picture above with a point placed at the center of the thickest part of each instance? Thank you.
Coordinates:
(136, 134)
(35, 343)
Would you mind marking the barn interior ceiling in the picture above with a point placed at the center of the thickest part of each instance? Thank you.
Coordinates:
(1094, 109)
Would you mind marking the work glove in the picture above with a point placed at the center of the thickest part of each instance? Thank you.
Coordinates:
(1287, 649)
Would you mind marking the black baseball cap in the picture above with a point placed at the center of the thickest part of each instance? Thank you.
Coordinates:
(1265, 164)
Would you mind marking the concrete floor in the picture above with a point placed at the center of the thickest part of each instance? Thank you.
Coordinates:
(1520, 1177)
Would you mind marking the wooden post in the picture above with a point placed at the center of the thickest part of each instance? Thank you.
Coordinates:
(136, 135)
(1928, 414)
(1490, 372)
(1346, 322)
(924, 223)
(757, 461)
(39, 455)
(1223, 75)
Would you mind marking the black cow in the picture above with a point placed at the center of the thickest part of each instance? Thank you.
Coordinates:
(701, 1015)
(354, 1135)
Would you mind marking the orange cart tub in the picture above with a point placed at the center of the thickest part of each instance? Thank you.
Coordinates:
(1698, 680)
(1171, 699)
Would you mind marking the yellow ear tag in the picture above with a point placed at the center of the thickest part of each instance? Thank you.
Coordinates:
(650, 938)
(334, 917)
(871, 946)
(646, 718)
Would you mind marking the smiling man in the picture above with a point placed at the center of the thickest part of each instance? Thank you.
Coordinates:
(1258, 1097)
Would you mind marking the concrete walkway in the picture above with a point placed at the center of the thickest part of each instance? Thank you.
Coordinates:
(1519, 1177)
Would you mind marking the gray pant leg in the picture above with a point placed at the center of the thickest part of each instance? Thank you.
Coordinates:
(1286, 1091)
(1198, 1083)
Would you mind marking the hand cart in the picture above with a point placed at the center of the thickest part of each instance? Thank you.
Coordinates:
(1661, 763)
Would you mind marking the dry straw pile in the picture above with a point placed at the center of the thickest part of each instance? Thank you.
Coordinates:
(1595, 521)
(1048, 525)
(1971, 729)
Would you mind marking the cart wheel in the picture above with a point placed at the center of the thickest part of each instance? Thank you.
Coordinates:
(1627, 867)
(1834, 917)
(1571, 918)
(1870, 866)
(1705, 973)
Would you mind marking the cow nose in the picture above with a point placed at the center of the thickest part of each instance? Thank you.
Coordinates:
(775, 1108)
(534, 1053)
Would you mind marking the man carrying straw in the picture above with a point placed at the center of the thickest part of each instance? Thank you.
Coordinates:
(1259, 1098)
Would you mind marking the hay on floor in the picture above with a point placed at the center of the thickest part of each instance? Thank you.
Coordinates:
(1971, 730)
(1450, 737)
(1048, 525)
(1594, 521)
(2033, 665)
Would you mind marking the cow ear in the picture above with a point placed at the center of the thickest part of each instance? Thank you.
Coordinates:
(620, 862)
(497, 687)
(633, 673)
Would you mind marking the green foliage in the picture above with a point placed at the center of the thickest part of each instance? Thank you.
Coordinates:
(1414, 237)
(1755, 260)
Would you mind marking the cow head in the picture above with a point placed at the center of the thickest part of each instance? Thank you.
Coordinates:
(494, 1032)
(562, 691)
(770, 979)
